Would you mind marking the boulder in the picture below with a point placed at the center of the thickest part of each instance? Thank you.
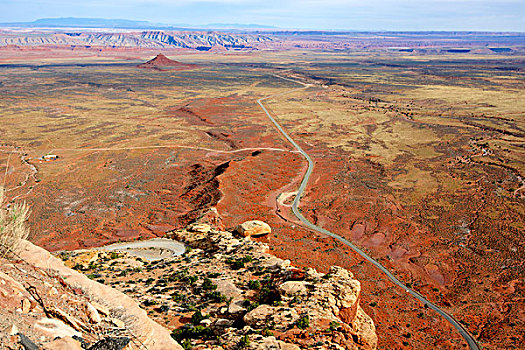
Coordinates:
(201, 228)
(13, 330)
(275, 264)
(26, 306)
(282, 317)
(265, 343)
(253, 228)
(292, 288)
(223, 322)
(100, 308)
(365, 329)
(66, 343)
(92, 313)
(227, 288)
(54, 328)
(287, 346)
(237, 306)
(258, 316)
(206, 322)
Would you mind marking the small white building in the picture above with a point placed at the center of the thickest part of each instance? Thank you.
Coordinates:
(49, 157)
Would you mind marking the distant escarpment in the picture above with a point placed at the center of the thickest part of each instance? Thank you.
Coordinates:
(202, 41)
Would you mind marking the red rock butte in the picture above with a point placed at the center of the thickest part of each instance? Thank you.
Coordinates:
(163, 62)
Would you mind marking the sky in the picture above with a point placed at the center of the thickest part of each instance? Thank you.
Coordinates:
(460, 15)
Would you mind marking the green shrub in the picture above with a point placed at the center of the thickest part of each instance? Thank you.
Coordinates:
(235, 264)
(253, 306)
(207, 284)
(197, 317)
(334, 326)
(268, 294)
(303, 322)
(178, 297)
(266, 332)
(215, 297)
(186, 344)
(244, 342)
(254, 284)
(192, 332)
(190, 279)
(247, 258)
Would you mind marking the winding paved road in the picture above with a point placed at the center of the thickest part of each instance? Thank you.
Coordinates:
(473, 345)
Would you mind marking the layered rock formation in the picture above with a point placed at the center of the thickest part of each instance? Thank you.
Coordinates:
(145, 39)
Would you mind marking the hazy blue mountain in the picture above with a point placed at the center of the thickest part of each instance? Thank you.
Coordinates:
(237, 26)
(75, 22)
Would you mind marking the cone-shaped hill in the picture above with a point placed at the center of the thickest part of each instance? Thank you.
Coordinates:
(161, 62)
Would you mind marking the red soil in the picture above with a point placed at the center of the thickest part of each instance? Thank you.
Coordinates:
(240, 185)
(153, 196)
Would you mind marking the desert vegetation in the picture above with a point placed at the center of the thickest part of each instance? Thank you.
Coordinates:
(13, 226)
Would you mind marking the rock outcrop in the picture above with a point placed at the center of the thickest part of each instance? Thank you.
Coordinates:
(162, 62)
(227, 290)
(254, 228)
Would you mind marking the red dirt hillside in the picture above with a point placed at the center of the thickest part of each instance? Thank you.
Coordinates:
(162, 62)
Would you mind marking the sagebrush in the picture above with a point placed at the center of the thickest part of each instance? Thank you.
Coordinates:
(13, 226)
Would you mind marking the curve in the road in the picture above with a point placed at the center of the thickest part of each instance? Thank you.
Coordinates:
(150, 249)
(473, 345)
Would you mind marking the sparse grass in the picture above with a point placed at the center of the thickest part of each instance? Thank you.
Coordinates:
(13, 227)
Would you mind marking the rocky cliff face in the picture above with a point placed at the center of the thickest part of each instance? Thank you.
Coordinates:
(44, 304)
(300, 307)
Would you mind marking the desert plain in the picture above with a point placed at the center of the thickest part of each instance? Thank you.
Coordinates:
(418, 161)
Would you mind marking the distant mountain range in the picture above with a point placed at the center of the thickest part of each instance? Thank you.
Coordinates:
(74, 22)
